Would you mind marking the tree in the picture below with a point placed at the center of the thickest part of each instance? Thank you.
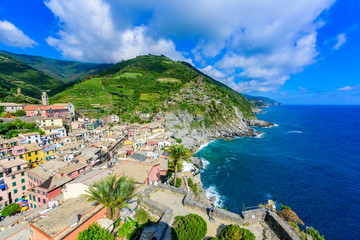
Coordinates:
(190, 227)
(95, 232)
(19, 113)
(10, 209)
(178, 153)
(112, 193)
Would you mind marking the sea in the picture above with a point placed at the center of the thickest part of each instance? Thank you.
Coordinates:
(310, 161)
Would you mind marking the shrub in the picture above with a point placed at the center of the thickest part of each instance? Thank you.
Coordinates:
(178, 182)
(193, 186)
(19, 113)
(315, 234)
(234, 232)
(10, 209)
(284, 207)
(190, 227)
(142, 216)
(95, 232)
(128, 229)
(290, 216)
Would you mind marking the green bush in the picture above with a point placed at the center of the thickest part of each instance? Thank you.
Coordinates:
(193, 186)
(234, 232)
(10, 209)
(315, 234)
(117, 222)
(128, 229)
(142, 216)
(178, 182)
(95, 232)
(191, 227)
(19, 113)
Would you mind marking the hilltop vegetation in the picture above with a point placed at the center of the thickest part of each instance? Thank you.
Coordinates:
(152, 83)
(262, 102)
(64, 71)
(15, 74)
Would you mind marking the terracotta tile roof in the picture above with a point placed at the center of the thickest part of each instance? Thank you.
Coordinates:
(38, 107)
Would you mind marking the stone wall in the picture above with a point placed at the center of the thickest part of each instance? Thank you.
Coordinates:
(280, 227)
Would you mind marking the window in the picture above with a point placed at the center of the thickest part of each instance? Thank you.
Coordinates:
(23, 188)
(34, 198)
(1, 174)
(14, 184)
(22, 174)
(15, 191)
(38, 192)
(21, 156)
(31, 205)
(23, 180)
(34, 206)
(38, 199)
(35, 152)
(13, 177)
(43, 193)
(44, 201)
(9, 170)
(29, 154)
(18, 167)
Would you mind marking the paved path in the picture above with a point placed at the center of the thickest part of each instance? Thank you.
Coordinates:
(174, 201)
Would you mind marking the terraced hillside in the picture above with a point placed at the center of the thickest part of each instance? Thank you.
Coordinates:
(155, 83)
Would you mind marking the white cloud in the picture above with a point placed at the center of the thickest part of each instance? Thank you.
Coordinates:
(348, 88)
(252, 45)
(341, 39)
(12, 36)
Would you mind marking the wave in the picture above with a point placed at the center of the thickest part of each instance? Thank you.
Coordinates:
(294, 132)
(204, 145)
(259, 135)
(212, 194)
(204, 162)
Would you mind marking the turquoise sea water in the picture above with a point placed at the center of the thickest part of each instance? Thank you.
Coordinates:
(310, 162)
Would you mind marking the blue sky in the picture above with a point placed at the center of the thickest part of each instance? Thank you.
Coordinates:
(302, 52)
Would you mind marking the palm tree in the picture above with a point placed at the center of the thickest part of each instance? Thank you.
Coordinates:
(178, 153)
(112, 193)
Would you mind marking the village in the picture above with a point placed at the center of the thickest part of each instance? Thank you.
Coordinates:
(48, 174)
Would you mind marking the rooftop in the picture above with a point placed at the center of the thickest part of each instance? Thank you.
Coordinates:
(30, 134)
(13, 163)
(57, 224)
(54, 182)
(30, 147)
(138, 171)
(138, 157)
(51, 127)
(47, 169)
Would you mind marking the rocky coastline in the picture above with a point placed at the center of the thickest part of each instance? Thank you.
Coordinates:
(180, 123)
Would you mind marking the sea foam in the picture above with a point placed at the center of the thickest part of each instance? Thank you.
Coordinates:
(211, 192)
(294, 132)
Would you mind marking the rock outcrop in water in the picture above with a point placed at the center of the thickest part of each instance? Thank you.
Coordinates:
(193, 137)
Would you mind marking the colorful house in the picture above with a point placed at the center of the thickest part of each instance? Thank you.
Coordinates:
(33, 137)
(32, 154)
(51, 111)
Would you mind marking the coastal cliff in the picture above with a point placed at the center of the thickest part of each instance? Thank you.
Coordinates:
(182, 124)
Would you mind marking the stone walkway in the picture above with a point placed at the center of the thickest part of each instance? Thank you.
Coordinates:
(174, 201)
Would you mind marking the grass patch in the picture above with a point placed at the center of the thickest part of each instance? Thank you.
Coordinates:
(131, 75)
(169, 80)
(149, 97)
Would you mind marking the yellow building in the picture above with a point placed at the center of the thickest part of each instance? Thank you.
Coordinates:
(32, 154)
(129, 142)
(47, 122)
(158, 129)
(48, 153)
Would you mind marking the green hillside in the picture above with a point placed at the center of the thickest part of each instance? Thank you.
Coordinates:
(262, 102)
(153, 83)
(14, 74)
(65, 71)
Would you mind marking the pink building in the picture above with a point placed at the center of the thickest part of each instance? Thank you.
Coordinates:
(46, 191)
(73, 170)
(77, 125)
(52, 111)
(18, 150)
(33, 137)
(13, 181)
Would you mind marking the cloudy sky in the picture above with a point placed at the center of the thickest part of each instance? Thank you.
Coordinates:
(297, 52)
